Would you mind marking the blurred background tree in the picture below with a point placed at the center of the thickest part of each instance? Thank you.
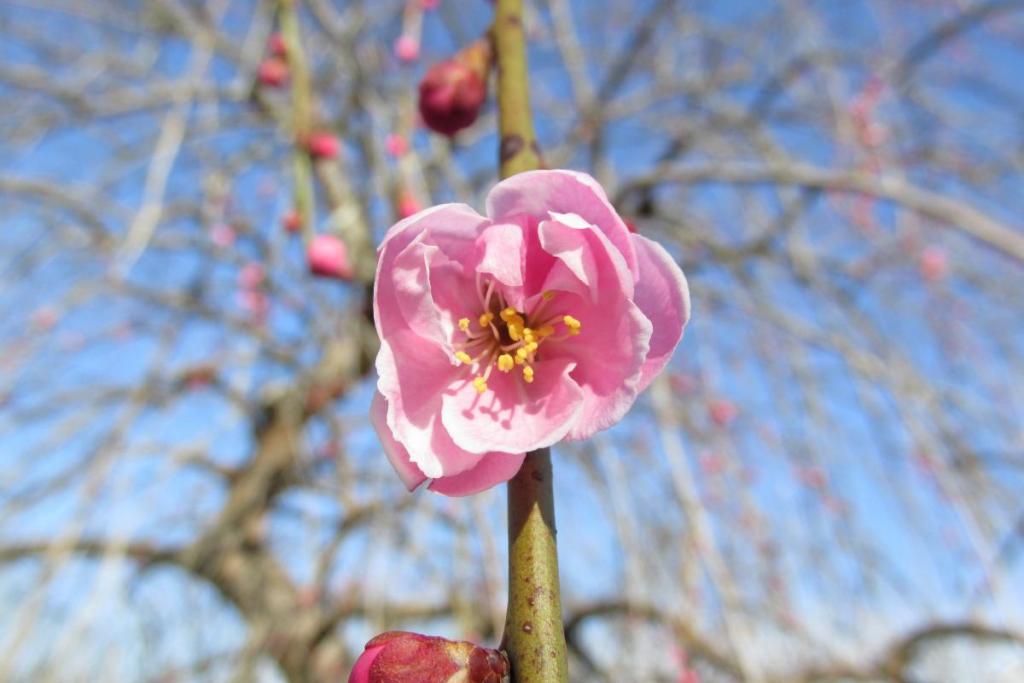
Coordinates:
(825, 485)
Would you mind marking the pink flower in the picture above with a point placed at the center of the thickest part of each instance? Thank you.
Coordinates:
(505, 333)
(429, 4)
(403, 657)
(396, 145)
(407, 49)
(328, 256)
(273, 72)
(323, 145)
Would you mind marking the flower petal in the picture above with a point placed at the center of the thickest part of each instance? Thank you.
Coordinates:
(398, 456)
(536, 193)
(614, 340)
(492, 469)
(513, 416)
(664, 297)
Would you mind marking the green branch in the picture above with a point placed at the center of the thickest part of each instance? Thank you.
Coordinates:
(534, 637)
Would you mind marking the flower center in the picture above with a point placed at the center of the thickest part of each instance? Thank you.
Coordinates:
(502, 337)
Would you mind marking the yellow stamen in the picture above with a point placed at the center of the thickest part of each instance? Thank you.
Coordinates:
(508, 314)
(463, 357)
(464, 324)
(528, 374)
(545, 331)
(572, 323)
(505, 362)
(485, 319)
(480, 384)
(531, 347)
(515, 332)
(521, 355)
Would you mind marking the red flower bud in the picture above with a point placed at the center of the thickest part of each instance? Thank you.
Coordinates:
(273, 72)
(408, 204)
(453, 91)
(396, 145)
(933, 264)
(323, 145)
(292, 221)
(722, 411)
(407, 49)
(328, 257)
(402, 657)
(276, 45)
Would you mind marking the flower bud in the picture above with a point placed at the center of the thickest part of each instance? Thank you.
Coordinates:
(396, 145)
(407, 204)
(292, 221)
(452, 91)
(933, 264)
(328, 257)
(323, 145)
(407, 49)
(273, 72)
(402, 657)
(276, 45)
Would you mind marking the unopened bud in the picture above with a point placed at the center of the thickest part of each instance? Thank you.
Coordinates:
(402, 657)
(273, 72)
(323, 145)
(453, 91)
(328, 257)
(407, 49)
(292, 221)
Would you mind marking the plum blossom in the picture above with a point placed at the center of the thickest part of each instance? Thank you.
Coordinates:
(501, 334)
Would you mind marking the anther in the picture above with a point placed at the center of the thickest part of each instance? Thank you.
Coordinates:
(505, 362)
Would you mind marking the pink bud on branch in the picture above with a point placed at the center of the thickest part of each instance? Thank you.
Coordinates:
(328, 257)
(273, 72)
(323, 145)
(403, 657)
(453, 91)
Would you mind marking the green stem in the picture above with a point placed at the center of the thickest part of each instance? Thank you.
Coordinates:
(534, 637)
(518, 150)
(301, 119)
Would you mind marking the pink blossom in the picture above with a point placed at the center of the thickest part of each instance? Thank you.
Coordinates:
(429, 4)
(323, 145)
(407, 49)
(403, 657)
(328, 257)
(933, 264)
(396, 145)
(505, 333)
